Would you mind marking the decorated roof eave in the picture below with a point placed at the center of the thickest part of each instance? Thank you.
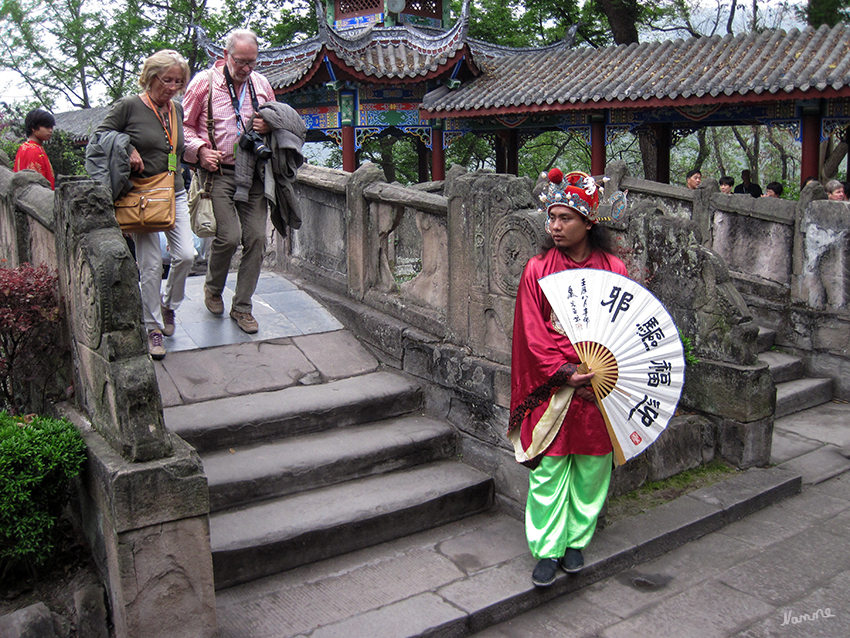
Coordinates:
(443, 70)
(306, 77)
(651, 103)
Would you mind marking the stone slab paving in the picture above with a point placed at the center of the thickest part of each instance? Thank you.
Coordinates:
(281, 309)
(782, 572)
(827, 423)
(260, 366)
(819, 465)
(470, 575)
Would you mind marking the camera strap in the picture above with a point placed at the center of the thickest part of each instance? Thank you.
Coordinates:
(236, 101)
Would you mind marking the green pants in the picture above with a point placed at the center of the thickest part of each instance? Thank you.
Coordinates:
(565, 496)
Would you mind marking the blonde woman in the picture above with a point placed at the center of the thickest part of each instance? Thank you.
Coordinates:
(154, 123)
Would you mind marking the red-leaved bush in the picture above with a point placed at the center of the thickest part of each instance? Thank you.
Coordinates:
(30, 337)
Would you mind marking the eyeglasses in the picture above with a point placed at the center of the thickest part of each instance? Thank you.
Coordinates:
(175, 83)
(249, 63)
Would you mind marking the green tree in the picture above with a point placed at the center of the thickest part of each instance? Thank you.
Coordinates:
(830, 12)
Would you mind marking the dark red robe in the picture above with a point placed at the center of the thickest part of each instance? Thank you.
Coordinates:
(539, 351)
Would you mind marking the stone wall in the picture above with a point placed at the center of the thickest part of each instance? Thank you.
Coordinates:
(787, 259)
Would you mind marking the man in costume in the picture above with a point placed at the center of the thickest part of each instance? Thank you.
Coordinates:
(31, 155)
(555, 425)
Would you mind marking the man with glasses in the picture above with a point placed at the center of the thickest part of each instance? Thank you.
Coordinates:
(237, 92)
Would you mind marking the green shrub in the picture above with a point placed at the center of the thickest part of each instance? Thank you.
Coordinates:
(38, 458)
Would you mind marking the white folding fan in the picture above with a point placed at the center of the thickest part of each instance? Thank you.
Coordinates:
(623, 334)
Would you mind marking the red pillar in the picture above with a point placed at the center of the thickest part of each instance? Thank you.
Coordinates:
(597, 147)
(810, 151)
(438, 155)
(349, 154)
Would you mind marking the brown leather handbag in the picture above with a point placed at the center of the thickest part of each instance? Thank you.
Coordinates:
(149, 207)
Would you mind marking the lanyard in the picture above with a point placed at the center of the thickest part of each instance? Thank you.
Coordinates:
(168, 126)
(237, 102)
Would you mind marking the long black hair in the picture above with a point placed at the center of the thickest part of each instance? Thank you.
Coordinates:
(598, 237)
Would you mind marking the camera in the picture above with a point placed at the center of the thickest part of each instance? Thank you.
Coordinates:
(253, 142)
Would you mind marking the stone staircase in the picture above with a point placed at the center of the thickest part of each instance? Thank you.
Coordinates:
(303, 474)
(795, 392)
(340, 509)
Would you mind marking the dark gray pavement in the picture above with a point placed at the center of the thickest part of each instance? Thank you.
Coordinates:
(741, 559)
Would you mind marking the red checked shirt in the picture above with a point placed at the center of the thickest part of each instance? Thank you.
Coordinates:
(224, 117)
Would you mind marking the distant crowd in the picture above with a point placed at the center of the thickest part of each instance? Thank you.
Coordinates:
(835, 190)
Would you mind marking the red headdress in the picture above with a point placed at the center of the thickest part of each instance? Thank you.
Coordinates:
(576, 190)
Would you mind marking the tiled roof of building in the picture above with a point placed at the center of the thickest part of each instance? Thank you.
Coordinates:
(80, 124)
(749, 67)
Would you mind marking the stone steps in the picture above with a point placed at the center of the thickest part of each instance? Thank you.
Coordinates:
(306, 473)
(316, 460)
(794, 391)
(461, 577)
(244, 420)
(280, 534)
(801, 394)
(783, 367)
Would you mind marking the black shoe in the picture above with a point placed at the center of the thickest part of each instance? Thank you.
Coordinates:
(544, 574)
(572, 561)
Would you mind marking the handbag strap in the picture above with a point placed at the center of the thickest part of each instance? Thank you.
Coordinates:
(210, 130)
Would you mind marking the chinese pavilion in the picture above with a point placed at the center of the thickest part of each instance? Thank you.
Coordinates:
(381, 66)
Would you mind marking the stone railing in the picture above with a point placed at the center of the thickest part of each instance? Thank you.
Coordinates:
(375, 242)
(451, 324)
(143, 498)
(788, 260)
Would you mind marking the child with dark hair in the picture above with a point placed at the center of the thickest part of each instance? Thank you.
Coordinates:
(774, 189)
(31, 155)
(726, 184)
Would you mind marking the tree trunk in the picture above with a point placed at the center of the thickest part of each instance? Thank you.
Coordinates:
(703, 152)
(622, 16)
(718, 156)
(385, 144)
(751, 151)
(784, 156)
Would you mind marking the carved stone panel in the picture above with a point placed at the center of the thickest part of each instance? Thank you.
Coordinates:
(516, 238)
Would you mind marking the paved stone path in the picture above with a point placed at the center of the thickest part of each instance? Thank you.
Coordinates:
(783, 572)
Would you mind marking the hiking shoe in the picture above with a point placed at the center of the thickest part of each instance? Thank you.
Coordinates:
(544, 574)
(213, 302)
(155, 347)
(245, 321)
(573, 561)
(167, 321)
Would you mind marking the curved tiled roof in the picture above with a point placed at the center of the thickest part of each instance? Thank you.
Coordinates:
(399, 53)
(742, 68)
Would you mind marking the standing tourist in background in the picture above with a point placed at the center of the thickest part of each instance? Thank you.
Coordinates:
(31, 155)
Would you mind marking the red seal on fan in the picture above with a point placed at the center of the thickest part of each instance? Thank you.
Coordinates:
(635, 437)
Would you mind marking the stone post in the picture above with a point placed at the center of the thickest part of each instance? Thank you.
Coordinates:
(143, 499)
(115, 380)
(361, 233)
(728, 383)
